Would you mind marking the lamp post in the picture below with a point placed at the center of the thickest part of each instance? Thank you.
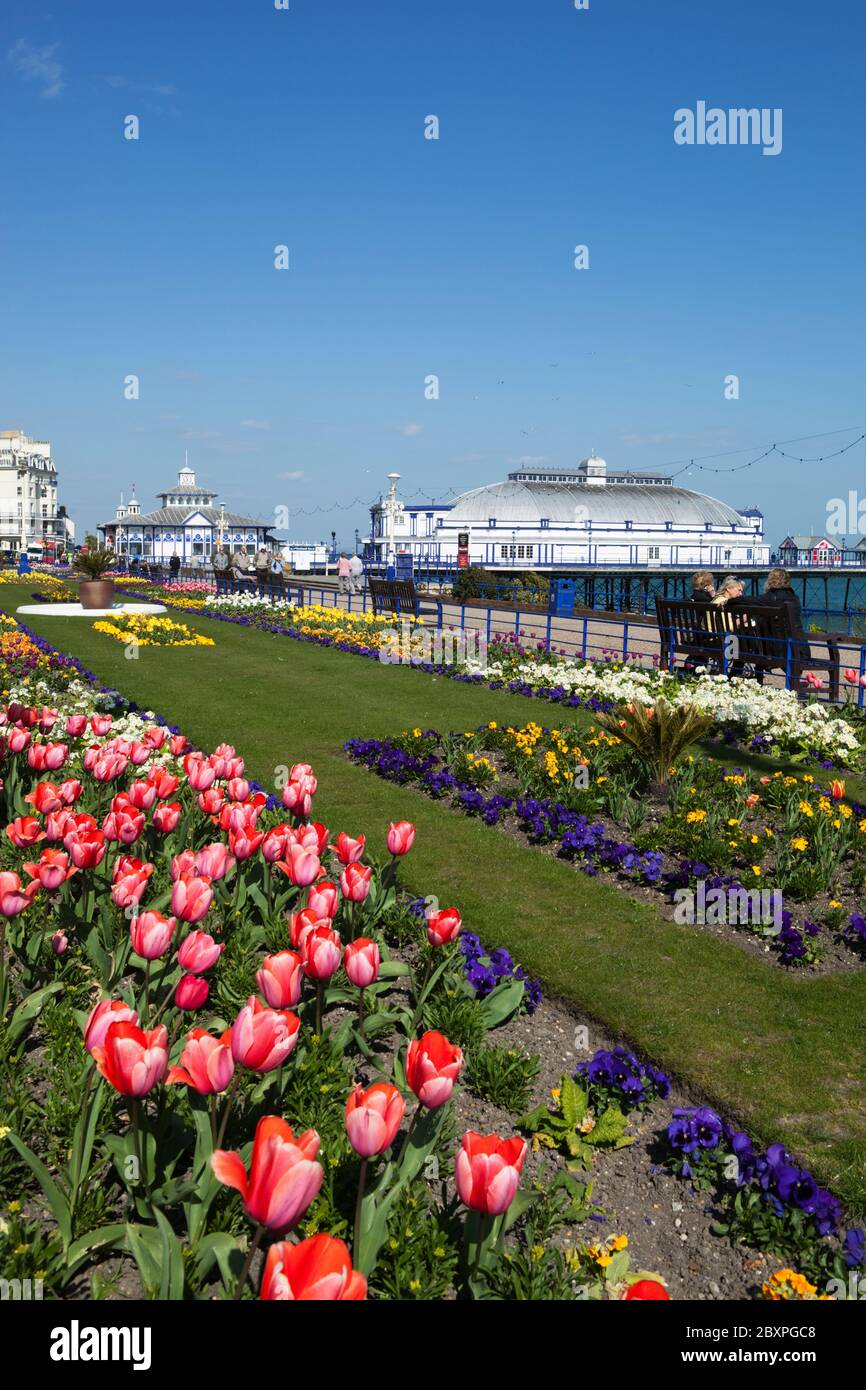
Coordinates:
(392, 511)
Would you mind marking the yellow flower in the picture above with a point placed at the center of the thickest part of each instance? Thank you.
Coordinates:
(800, 843)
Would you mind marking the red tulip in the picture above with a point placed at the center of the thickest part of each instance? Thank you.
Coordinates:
(401, 837)
(443, 927)
(355, 882)
(646, 1290)
(284, 1176)
(86, 847)
(44, 798)
(141, 795)
(14, 898)
(25, 831)
(150, 934)
(361, 962)
(347, 850)
(487, 1171)
(302, 923)
(373, 1118)
(131, 877)
(199, 952)
(154, 735)
(52, 869)
(263, 1038)
(319, 1268)
(320, 953)
(191, 897)
(851, 676)
(279, 979)
(206, 1063)
(191, 993)
(177, 743)
(166, 782)
(131, 1060)
(837, 790)
(106, 1012)
(432, 1066)
(166, 817)
(244, 843)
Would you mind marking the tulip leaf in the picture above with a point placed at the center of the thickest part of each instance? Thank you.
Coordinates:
(25, 1014)
(502, 1003)
(53, 1195)
(81, 1249)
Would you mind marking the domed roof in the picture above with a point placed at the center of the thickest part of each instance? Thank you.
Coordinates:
(611, 504)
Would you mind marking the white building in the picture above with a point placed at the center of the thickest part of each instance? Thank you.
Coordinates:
(29, 516)
(187, 524)
(548, 518)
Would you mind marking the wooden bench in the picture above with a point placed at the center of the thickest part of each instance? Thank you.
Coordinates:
(766, 639)
(394, 596)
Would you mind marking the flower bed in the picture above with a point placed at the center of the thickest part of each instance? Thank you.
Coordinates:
(143, 631)
(726, 840)
(766, 718)
(144, 882)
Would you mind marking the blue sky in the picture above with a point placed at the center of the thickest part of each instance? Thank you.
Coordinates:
(410, 257)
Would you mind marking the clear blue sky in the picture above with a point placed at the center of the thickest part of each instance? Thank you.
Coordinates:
(411, 256)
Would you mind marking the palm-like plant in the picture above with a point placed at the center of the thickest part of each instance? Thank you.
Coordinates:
(93, 564)
(659, 734)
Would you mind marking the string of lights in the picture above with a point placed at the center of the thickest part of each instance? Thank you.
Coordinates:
(698, 463)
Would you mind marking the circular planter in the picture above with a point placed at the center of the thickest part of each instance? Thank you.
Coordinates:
(96, 593)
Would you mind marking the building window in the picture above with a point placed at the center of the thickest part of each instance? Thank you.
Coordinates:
(491, 522)
(652, 552)
(545, 523)
(413, 524)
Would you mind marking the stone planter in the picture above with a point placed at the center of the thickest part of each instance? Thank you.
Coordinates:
(96, 593)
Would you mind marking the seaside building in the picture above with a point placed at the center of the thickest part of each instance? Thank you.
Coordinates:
(555, 518)
(187, 524)
(810, 550)
(29, 514)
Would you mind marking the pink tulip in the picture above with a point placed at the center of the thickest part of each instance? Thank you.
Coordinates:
(322, 899)
(199, 952)
(432, 1066)
(401, 837)
(300, 866)
(191, 993)
(106, 1012)
(151, 934)
(284, 1178)
(141, 795)
(14, 898)
(200, 774)
(355, 882)
(165, 818)
(59, 943)
(191, 897)
(373, 1118)
(76, 724)
(347, 850)
(361, 962)
(487, 1172)
(206, 1063)
(131, 1060)
(214, 861)
(851, 676)
(320, 953)
(443, 927)
(280, 978)
(263, 1038)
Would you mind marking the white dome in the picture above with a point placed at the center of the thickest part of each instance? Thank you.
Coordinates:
(612, 504)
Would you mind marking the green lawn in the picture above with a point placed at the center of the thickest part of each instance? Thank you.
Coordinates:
(780, 1053)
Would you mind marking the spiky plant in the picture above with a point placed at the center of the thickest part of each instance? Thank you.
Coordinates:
(93, 564)
(660, 734)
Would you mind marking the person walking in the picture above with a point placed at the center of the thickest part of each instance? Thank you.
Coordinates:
(174, 567)
(344, 573)
(357, 571)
